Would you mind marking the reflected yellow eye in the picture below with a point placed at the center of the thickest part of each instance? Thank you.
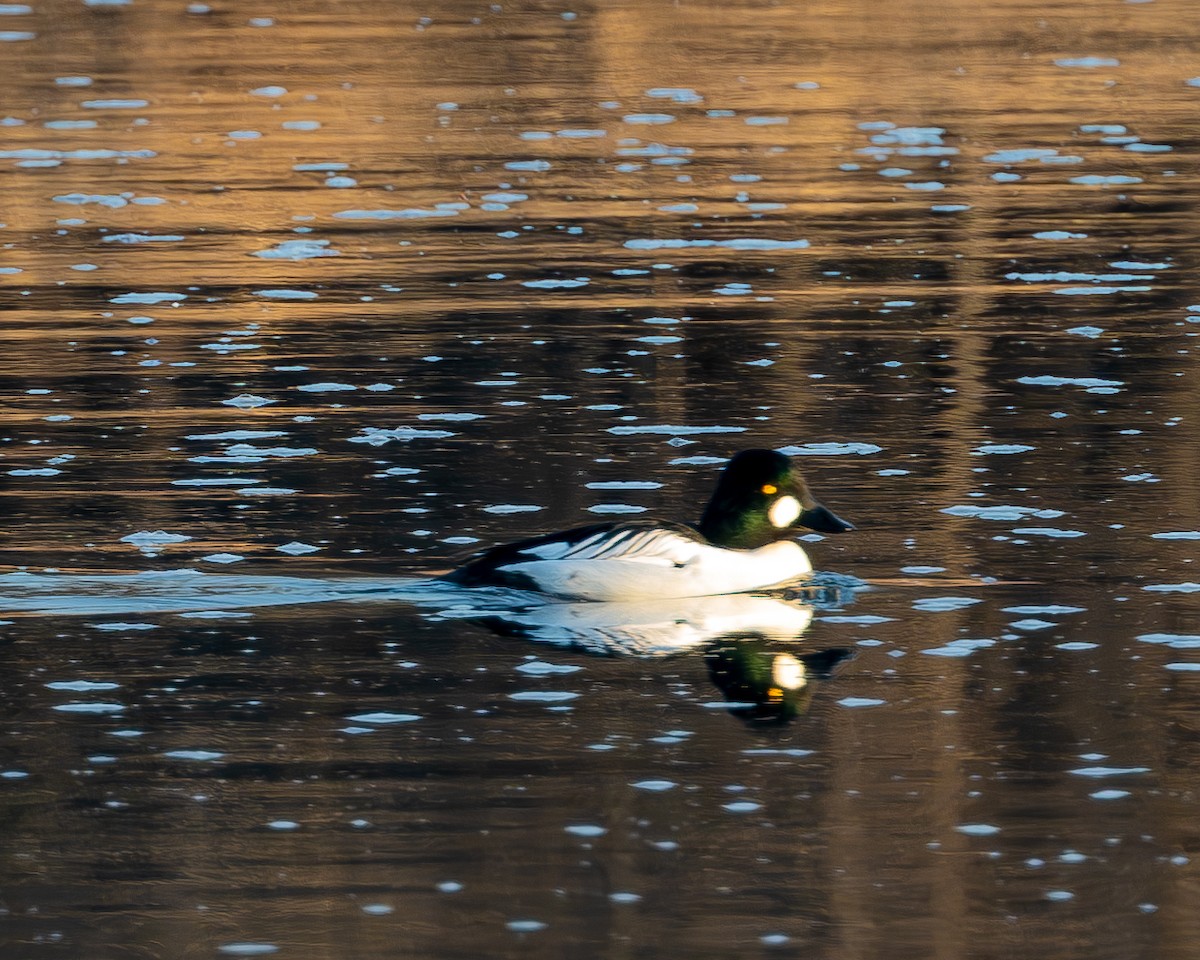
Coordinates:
(769, 488)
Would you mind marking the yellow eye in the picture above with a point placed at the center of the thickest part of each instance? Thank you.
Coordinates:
(769, 488)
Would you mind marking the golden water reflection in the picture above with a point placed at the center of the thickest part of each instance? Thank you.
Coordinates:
(347, 291)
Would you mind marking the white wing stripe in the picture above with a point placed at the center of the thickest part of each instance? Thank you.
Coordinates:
(619, 544)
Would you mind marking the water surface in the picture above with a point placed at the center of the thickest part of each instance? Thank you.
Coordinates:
(302, 304)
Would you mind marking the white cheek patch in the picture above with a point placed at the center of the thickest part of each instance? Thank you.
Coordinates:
(788, 672)
(783, 512)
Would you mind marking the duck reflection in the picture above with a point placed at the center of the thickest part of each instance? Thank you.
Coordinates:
(745, 640)
(645, 628)
(764, 683)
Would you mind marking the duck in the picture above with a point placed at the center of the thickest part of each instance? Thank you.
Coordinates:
(742, 544)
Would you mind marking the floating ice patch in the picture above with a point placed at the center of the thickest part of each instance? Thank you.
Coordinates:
(377, 436)
(525, 926)
(655, 150)
(237, 435)
(623, 485)
(281, 294)
(1097, 291)
(248, 453)
(671, 429)
(959, 648)
(1176, 641)
(505, 197)
(739, 243)
(326, 387)
(741, 806)
(82, 686)
(1087, 63)
(1097, 180)
(296, 548)
(131, 239)
(202, 756)
(978, 829)
(944, 604)
(101, 199)
(553, 284)
(585, 830)
(909, 136)
(1089, 383)
(675, 94)
(1050, 609)
(988, 449)
(146, 539)
(654, 786)
(528, 166)
(543, 696)
(1019, 155)
(540, 668)
(865, 619)
(1098, 772)
(298, 250)
(406, 214)
(830, 449)
(1070, 276)
(149, 298)
(35, 153)
(382, 718)
(659, 339)
(247, 401)
(1001, 512)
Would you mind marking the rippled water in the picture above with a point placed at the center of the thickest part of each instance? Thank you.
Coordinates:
(302, 303)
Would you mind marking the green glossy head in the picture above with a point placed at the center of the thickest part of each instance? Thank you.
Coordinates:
(760, 496)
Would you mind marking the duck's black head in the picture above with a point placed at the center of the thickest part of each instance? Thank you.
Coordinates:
(758, 497)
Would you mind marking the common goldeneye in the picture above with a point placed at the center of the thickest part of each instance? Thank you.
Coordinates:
(740, 545)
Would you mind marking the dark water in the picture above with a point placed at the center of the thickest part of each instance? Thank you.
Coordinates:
(304, 302)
